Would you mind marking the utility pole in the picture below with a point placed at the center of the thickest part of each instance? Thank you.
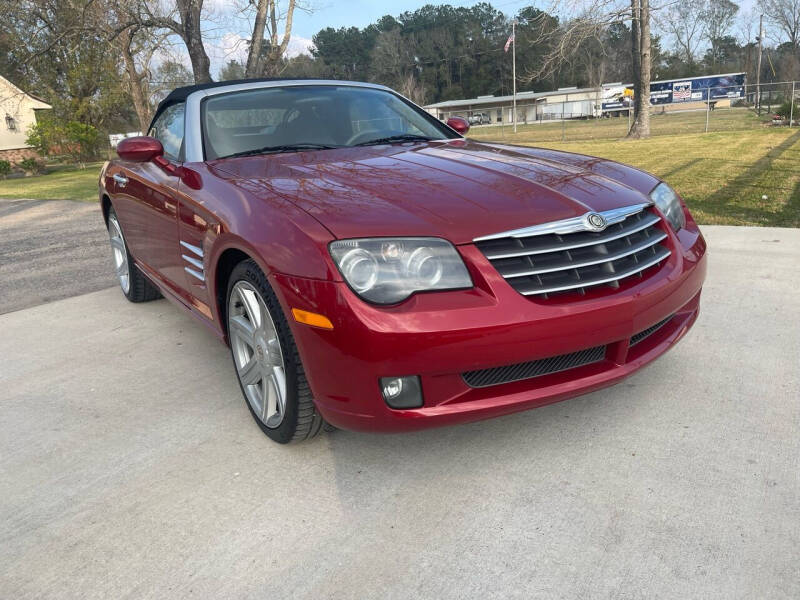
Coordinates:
(758, 69)
(514, 68)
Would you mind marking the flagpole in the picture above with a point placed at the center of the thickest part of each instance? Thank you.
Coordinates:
(514, 68)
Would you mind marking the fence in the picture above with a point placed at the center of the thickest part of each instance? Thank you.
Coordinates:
(708, 110)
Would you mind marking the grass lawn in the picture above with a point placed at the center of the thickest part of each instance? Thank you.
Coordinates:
(60, 183)
(673, 123)
(721, 175)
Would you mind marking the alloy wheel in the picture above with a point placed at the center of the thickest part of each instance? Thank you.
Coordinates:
(257, 353)
(120, 253)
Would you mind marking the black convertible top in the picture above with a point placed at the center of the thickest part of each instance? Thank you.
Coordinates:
(181, 93)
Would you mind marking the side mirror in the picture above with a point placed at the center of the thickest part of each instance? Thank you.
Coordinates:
(460, 124)
(139, 149)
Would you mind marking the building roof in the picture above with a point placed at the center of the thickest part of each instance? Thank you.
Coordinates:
(38, 102)
(499, 99)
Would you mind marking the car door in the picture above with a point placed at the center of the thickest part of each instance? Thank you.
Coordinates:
(145, 197)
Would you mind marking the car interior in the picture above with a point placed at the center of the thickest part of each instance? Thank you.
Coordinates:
(331, 116)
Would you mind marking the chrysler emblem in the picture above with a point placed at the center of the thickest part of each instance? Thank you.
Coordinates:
(595, 222)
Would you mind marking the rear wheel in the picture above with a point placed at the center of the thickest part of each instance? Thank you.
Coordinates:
(265, 356)
(135, 286)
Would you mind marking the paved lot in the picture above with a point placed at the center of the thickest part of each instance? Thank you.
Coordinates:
(130, 468)
(51, 249)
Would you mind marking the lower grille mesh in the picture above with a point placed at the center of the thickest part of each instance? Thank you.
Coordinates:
(536, 368)
(636, 338)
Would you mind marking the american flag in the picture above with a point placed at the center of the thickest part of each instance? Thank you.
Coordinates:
(681, 91)
(508, 42)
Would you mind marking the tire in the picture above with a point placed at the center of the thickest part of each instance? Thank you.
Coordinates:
(265, 353)
(132, 282)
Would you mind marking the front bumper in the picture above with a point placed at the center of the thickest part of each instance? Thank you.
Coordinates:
(439, 336)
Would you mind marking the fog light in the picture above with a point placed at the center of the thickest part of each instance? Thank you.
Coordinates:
(402, 392)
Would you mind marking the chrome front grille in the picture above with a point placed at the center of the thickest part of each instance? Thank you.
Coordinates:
(568, 256)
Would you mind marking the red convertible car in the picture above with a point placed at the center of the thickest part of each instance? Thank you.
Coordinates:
(373, 269)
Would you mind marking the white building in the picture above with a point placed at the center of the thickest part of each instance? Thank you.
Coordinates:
(17, 113)
(564, 103)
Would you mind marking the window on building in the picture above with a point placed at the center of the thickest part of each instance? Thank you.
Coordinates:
(11, 123)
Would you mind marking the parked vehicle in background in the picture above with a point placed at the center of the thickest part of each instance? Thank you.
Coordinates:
(479, 119)
(372, 268)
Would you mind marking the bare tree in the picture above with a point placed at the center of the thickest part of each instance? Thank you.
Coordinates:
(267, 46)
(685, 21)
(718, 17)
(565, 42)
(785, 14)
(640, 52)
(137, 77)
(182, 18)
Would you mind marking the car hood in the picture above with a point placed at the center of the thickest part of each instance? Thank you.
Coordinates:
(456, 189)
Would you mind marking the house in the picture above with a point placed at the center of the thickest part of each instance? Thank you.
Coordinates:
(17, 113)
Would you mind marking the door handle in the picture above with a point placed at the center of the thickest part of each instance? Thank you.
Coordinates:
(121, 180)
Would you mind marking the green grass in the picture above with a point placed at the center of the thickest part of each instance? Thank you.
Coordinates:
(675, 123)
(59, 183)
(722, 175)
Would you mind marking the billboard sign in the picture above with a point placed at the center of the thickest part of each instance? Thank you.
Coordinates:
(693, 89)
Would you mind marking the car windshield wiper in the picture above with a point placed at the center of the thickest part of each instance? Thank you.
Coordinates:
(282, 148)
(406, 137)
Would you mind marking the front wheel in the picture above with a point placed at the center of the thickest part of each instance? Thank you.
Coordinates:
(265, 356)
(135, 286)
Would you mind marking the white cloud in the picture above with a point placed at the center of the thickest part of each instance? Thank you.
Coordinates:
(231, 46)
(299, 45)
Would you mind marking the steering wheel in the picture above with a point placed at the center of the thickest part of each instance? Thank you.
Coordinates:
(364, 136)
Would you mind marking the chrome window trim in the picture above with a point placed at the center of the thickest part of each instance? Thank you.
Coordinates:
(571, 225)
(193, 135)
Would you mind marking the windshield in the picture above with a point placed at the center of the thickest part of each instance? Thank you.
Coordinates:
(310, 117)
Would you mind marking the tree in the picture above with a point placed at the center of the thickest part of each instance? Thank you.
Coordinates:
(267, 47)
(640, 52)
(785, 14)
(57, 52)
(182, 18)
(685, 21)
(718, 18)
(78, 141)
(137, 47)
(233, 70)
(169, 75)
(566, 41)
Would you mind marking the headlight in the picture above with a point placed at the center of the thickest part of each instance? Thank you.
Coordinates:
(388, 270)
(667, 202)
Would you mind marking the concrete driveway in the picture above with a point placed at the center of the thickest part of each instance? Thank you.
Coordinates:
(130, 468)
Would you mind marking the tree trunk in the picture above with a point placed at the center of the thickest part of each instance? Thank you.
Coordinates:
(193, 38)
(135, 81)
(640, 53)
(253, 68)
(265, 58)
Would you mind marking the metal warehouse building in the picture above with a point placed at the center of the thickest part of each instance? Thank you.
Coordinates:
(564, 103)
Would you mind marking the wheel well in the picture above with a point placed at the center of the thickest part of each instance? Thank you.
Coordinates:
(227, 262)
(105, 204)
